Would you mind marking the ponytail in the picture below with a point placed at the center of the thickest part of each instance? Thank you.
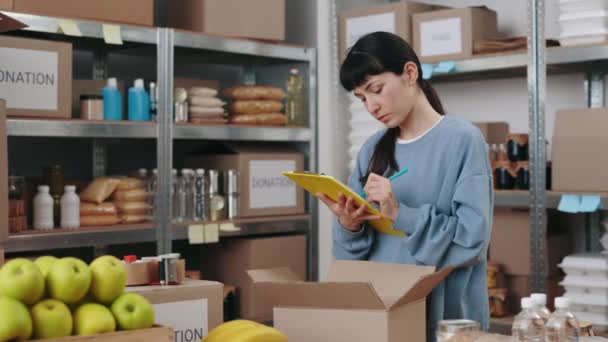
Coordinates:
(431, 95)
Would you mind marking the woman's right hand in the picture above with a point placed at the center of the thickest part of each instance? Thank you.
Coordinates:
(349, 215)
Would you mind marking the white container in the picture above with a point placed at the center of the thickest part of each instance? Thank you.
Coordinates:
(583, 40)
(583, 23)
(594, 265)
(569, 6)
(70, 208)
(43, 209)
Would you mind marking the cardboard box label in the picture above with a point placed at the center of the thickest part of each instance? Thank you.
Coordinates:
(441, 37)
(360, 26)
(29, 79)
(189, 319)
(268, 188)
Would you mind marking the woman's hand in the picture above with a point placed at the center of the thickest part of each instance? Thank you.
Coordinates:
(349, 215)
(379, 190)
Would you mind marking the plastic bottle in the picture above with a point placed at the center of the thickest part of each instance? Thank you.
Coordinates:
(528, 325)
(540, 303)
(181, 196)
(112, 100)
(562, 326)
(70, 208)
(43, 209)
(139, 102)
(153, 101)
(294, 103)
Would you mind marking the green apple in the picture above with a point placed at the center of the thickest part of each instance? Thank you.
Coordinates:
(93, 318)
(44, 263)
(16, 321)
(51, 318)
(109, 279)
(68, 280)
(22, 280)
(132, 311)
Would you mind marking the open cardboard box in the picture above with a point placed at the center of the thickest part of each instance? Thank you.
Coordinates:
(361, 301)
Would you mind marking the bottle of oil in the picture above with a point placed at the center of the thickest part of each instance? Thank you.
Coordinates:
(294, 103)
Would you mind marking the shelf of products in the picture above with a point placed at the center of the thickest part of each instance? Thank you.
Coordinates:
(521, 199)
(88, 29)
(80, 128)
(515, 63)
(233, 132)
(32, 240)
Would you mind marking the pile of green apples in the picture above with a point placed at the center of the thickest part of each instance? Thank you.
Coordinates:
(52, 297)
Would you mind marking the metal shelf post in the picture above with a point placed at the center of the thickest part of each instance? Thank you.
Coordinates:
(536, 75)
(164, 142)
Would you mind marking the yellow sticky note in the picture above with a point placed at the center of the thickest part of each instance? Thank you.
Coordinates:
(112, 34)
(212, 233)
(69, 28)
(229, 227)
(196, 234)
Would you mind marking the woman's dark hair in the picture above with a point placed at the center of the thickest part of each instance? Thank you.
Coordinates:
(374, 54)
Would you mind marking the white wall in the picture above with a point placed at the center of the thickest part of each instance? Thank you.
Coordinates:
(486, 100)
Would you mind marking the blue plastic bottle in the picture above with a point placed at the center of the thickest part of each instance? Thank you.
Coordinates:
(112, 101)
(139, 102)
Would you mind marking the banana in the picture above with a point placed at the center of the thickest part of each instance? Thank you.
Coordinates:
(244, 331)
(258, 334)
(227, 328)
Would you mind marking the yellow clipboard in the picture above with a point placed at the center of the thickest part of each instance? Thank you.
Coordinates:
(332, 188)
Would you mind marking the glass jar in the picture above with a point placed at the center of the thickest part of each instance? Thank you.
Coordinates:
(522, 181)
(504, 176)
(16, 186)
(447, 329)
(517, 147)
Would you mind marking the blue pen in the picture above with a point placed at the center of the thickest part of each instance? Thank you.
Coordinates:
(391, 178)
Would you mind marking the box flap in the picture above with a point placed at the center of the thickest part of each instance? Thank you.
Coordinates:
(584, 122)
(327, 295)
(423, 287)
(9, 24)
(390, 280)
(273, 275)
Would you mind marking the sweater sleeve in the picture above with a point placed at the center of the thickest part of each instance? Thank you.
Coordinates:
(349, 245)
(460, 238)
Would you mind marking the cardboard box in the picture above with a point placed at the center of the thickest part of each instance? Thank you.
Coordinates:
(192, 309)
(264, 190)
(4, 229)
(511, 232)
(258, 19)
(494, 132)
(229, 261)
(90, 87)
(361, 301)
(395, 18)
(154, 334)
(578, 154)
(36, 77)
(519, 287)
(136, 12)
(451, 34)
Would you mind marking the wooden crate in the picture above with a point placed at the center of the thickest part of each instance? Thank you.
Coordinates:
(155, 334)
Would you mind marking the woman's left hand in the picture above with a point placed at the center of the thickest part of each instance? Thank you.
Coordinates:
(379, 190)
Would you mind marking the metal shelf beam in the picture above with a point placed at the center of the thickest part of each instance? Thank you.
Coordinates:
(80, 129)
(229, 132)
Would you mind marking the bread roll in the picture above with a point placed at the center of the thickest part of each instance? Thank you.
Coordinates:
(254, 92)
(255, 107)
(273, 119)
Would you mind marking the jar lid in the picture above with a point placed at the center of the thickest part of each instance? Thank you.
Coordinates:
(129, 258)
(91, 97)
(457, 325)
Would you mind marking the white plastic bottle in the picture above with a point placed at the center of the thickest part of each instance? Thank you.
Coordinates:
(540, 303)
(528, 326)
(43, 209)
(70, 208)
(562, 325)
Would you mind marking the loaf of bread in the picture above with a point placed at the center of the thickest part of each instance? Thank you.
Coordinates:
(134, 195)
(130, 183)
(133, 208)
(193, 110)
(272, 119)
(98, 220)
(207, 102)
(93, 209)
(254, 92)
(208, 121)
(202, 91)
(255, 107)
(99, 190)
(134, 218)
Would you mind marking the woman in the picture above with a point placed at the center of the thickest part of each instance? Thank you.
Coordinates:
(443, 204)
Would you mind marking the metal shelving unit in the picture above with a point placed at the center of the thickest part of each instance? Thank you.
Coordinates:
(165, 41)
(146, 232)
